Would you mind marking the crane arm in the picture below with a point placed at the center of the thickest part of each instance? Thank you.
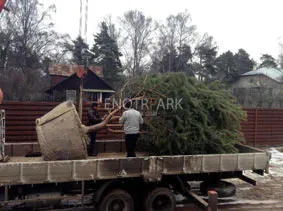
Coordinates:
(2, 5)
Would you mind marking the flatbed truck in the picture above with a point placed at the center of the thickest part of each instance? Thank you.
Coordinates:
(114, 182)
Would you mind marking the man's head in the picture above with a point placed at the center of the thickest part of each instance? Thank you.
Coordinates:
(128, 104)
(94, 105)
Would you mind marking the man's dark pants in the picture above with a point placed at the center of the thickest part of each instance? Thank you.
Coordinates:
(92, 143)
(131, 143)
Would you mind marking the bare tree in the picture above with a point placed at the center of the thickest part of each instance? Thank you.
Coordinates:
(137, 40)
(177, 32)
(205, 54)
(114, 33)
(30, 41)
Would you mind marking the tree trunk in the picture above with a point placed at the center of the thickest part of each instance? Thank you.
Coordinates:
(93, 128)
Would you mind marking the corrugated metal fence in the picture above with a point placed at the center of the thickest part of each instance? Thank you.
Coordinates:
(264, 127)
(21, 116)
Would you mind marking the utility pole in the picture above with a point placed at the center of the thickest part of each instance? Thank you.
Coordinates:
(82, 75)
(81, 100)
(85, 57)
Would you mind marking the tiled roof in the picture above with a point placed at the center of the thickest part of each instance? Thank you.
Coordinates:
(272, 73)
(68, 70)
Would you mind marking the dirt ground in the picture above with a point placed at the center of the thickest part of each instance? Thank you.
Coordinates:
(266, 195)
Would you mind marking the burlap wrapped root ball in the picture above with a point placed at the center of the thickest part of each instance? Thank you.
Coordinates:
(60, 134)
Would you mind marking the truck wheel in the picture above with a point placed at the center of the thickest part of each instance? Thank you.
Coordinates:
(160, 199)
(223, 188)
(117, 200)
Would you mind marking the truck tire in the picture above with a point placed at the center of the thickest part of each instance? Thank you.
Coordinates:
(116, 200)
(160, 199)
(223, 188)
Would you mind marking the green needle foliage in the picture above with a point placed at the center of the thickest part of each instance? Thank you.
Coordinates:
(207, 123)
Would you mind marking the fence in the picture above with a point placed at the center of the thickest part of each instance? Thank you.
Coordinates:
(2, 133)
(264, 127)
(21, 116)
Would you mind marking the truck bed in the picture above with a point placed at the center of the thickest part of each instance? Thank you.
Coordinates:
(16, 159)
(22, 170)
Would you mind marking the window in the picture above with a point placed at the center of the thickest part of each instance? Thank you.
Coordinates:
(94, 96)
(71, 95)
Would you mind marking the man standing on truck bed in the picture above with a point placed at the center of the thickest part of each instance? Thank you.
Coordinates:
(93, 119)
(131, 120)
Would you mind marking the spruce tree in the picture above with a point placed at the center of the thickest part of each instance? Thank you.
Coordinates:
(107, 55)
(206, 122)
(77, 50)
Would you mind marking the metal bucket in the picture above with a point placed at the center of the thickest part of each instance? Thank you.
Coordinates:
(60, 134)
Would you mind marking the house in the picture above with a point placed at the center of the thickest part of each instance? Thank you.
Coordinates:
(263, 77)
(65, 84)
(260, 88)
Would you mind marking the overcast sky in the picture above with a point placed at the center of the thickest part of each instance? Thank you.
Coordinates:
(254, 25)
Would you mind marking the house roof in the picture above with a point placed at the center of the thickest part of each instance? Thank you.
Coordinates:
(68, 70)
(272, 73)
(91, 82)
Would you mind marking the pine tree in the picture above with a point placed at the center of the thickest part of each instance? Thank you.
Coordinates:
(267, 61)
(206, 53)
(225, 66)
(229, 65)
(243, 62)
(107, 55)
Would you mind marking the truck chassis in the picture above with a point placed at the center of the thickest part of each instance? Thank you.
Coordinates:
(124, 183)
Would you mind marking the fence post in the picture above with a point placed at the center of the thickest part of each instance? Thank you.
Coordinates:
(255, 127)
(2, 133)
(212, 200)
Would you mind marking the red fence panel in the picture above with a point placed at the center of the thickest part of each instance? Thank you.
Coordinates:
(21, 116)
(264, 127)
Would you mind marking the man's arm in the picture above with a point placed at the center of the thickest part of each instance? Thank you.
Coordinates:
(122, 118)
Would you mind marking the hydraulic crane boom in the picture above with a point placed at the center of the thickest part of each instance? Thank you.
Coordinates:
(2, 5)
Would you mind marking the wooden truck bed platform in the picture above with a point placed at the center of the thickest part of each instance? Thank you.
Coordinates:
(116, 165)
